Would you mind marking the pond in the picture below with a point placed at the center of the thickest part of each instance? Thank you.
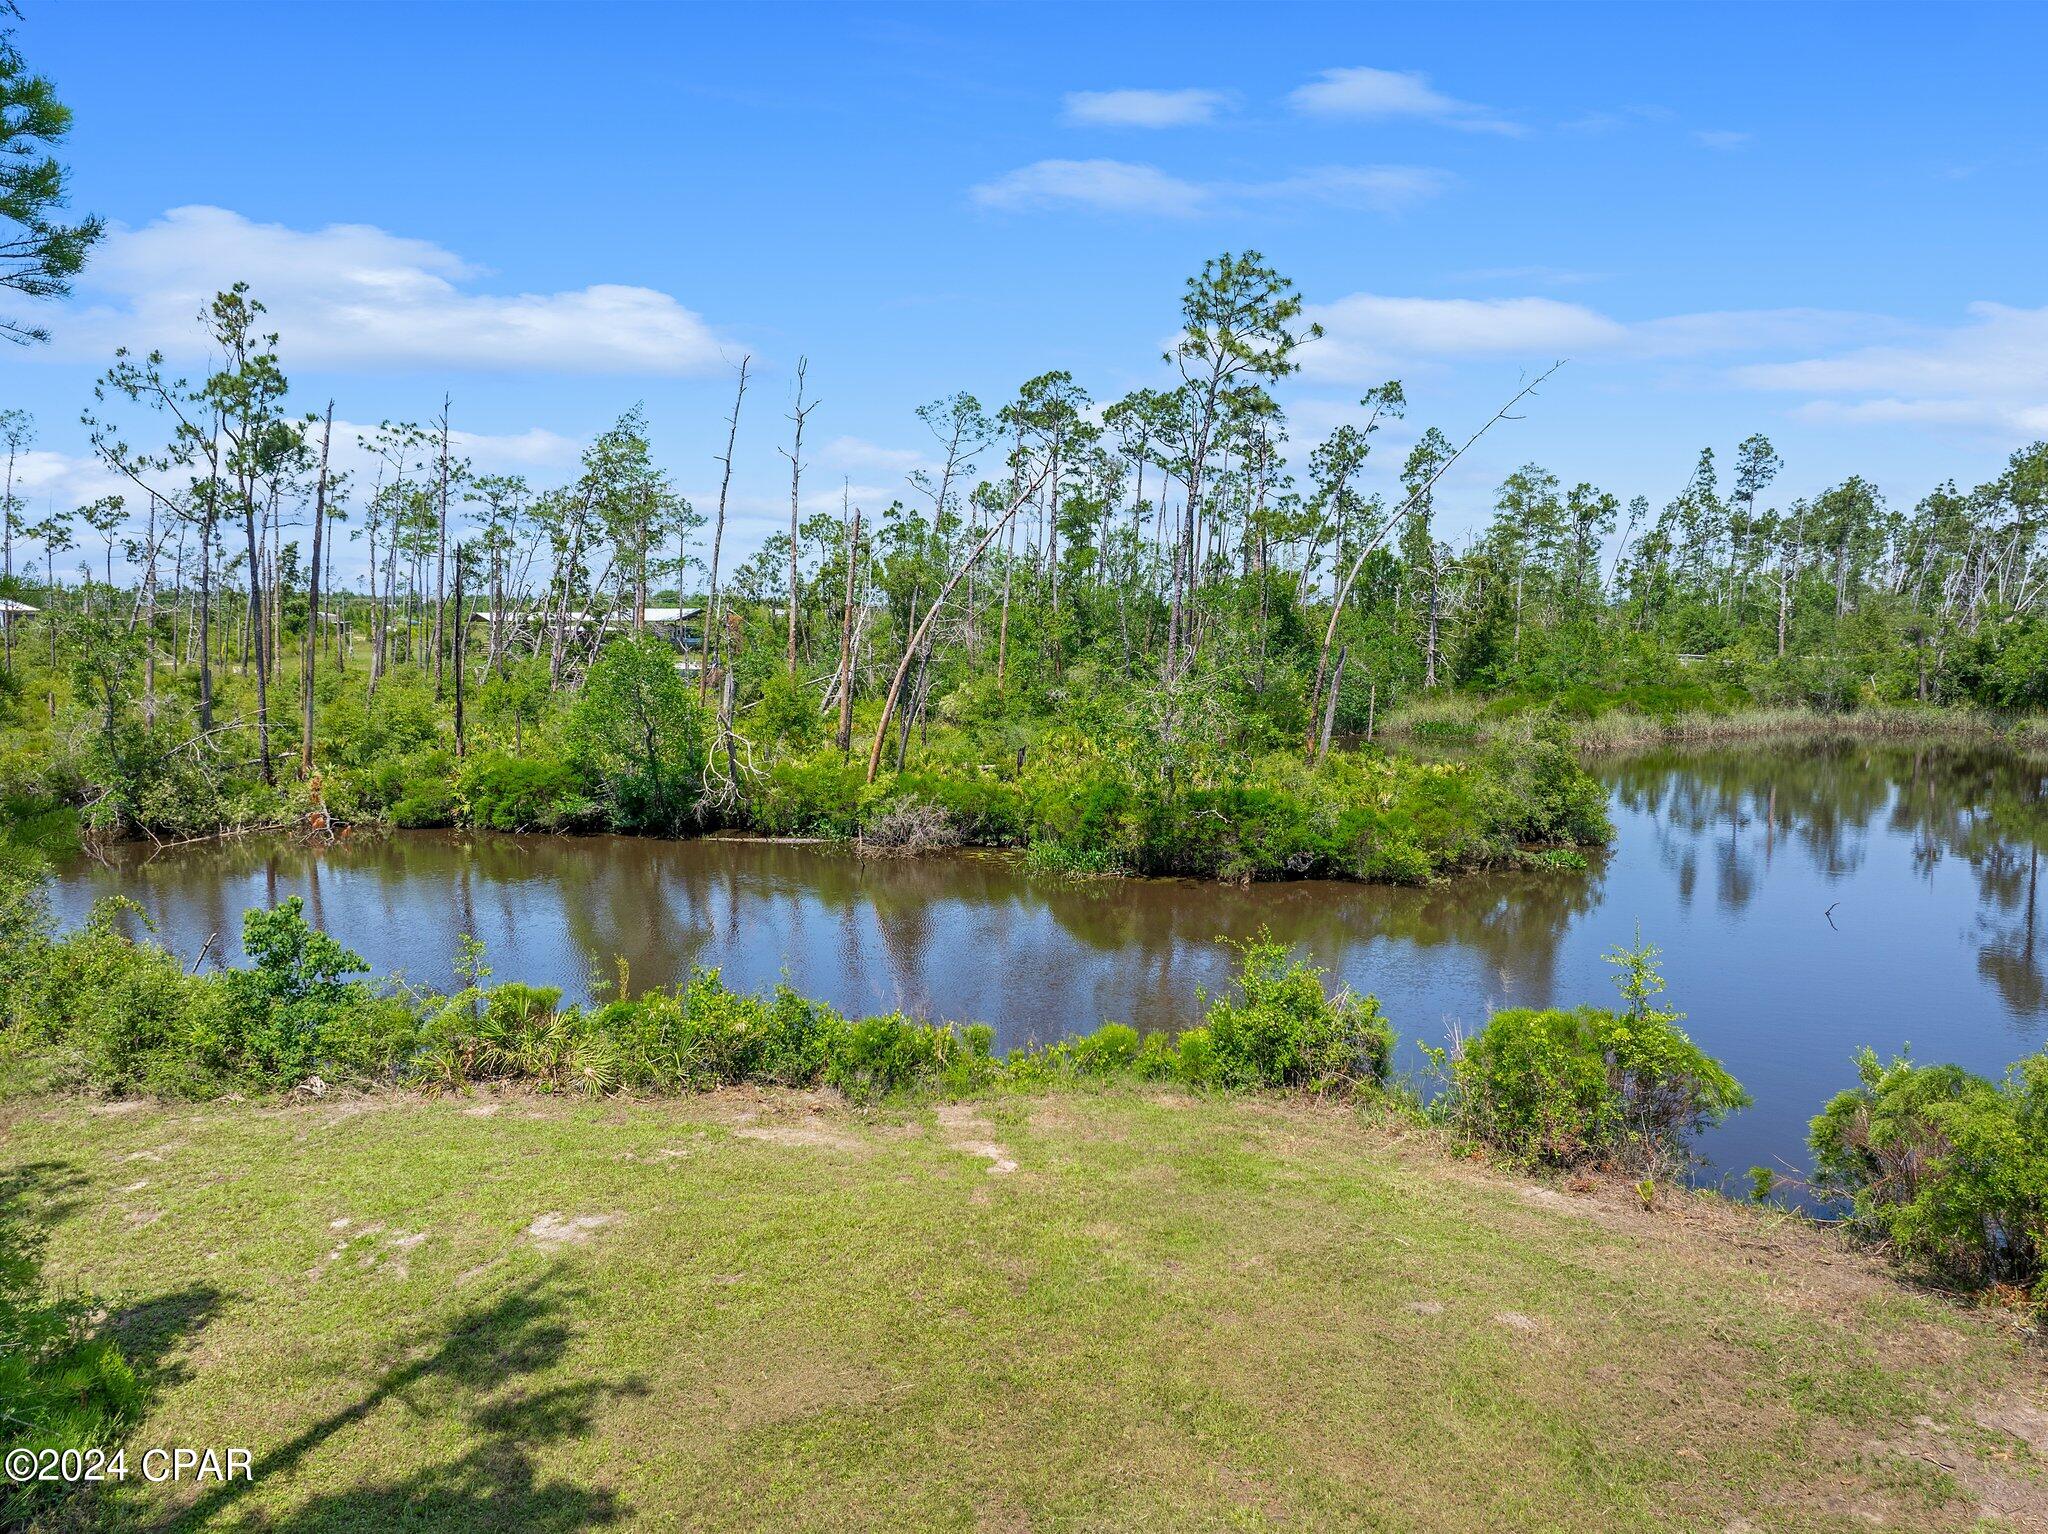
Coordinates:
(1809, 901)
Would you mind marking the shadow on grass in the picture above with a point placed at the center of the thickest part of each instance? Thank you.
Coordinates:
(63, 1383)
(37, 1194)
(477, 1373)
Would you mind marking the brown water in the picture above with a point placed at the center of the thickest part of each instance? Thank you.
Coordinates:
(1809, 901)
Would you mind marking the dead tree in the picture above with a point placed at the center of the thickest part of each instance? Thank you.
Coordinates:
(910, 650)
(1380, 536)
(845, 676)
(795, 454)
(732, 431)
(312, 647)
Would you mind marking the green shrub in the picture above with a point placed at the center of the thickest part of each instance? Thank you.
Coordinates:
(787, 714)
(1281, 1029)
(276, 1015)
(1195, 1057)
(1952, 1169)
(1562, 1088)
(1058, 857)
(1542, 793)
(879, 1055)
(499, 792)
(1111, 1050)
(810, 796)
(428, 804)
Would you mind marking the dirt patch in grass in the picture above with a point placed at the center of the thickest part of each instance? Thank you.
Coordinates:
(968, 1132)
(814, 1136)
(555, 1229)
(2008, 1481)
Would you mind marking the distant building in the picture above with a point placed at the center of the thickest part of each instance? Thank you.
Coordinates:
(671, 623)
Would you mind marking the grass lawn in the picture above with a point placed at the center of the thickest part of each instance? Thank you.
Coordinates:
(1122, 1312)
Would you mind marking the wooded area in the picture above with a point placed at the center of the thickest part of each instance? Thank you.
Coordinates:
(1159, 591)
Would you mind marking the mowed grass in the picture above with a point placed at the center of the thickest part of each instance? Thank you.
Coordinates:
(1125, 1311)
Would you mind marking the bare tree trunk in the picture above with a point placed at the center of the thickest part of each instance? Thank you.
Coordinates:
(931, 613)
(732, 432)
(795, 455)
(439, 627)
(1009, 569)
(309, 656)
(461, 739)
(1343, 592)
(7, 550)
(206, 602)
(846, 639)
(1435, 614)
(255, 608)
(149, 625)
(1330, 707)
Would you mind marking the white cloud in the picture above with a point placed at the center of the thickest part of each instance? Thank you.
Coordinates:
(49, 479)
(64, 481)
(1366, 333)
(1383, 93)
(1369, 333)
(1991, 371)
(534, 448)
(2019, 420)
(1384, 187)
(858, 453)
(1110, 186)
(353, 296)
(769, 511)
(1145, 108)
(1121, 186)
(1721, 138)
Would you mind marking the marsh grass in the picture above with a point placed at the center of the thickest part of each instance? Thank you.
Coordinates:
(1465, 720)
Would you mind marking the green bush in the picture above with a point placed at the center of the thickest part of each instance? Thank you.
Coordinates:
(94, 1009)
(1111, 1050)
(1952, 1169)
(810, 796)
(275, 1017)
(1561, 1088)
(787, 713)
(1281, 1030)
(499, 792)
(1542, 793)
(428, 804)
(878, 1055)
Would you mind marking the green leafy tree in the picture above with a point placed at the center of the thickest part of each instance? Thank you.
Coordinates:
(639, 732)
(39, 251)
(282, 1007)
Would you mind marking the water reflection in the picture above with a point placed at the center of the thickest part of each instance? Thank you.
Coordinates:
(1986, 808)
(1809, 902)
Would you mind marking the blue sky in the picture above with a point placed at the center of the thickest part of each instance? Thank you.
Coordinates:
(1824, 223)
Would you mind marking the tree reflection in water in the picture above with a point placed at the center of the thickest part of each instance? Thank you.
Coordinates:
(1983, 806)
